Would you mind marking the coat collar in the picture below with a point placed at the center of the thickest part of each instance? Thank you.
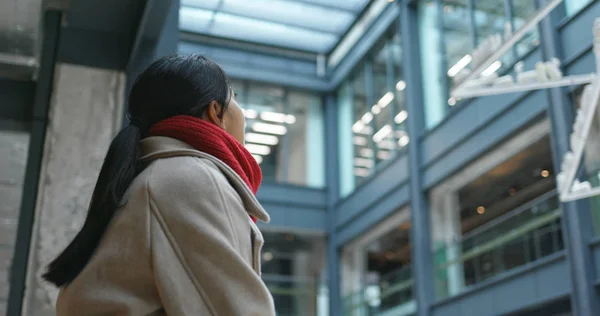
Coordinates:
(153, 148)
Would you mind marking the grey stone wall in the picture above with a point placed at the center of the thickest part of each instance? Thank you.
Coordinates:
(85, 114)
(13, 158)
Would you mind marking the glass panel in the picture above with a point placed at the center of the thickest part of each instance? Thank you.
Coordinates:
(284, 132)
(264, 138)
(524, 235)
(292, 265)
(306, 165)
(489, 20)
(382, 110)
(574, 6)
(522, 12)
(347, 141)
(387, 282)
(362, 129)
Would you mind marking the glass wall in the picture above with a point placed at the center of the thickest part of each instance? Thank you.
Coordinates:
(284, 132)
(292, 268)
(372, 128)
(376, 271)
(500, 219)
(450, 31)
(574, 6)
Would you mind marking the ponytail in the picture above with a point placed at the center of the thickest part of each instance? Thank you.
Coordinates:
(118, 171)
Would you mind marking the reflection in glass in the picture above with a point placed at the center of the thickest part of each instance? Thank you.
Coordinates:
(574, 6)
(292, 265)
(284, 131)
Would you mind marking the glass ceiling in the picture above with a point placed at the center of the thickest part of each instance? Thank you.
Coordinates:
(309, 25)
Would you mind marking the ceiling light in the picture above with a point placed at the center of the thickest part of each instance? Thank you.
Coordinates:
(251, 114)
(277, 117)
(403, 141)
(376, 109)
(361, 172)
(258, 149)
(358, 126)
(401, 117)
(269, 128)
(267, 256)
(258, 158)
(363, 162)
(401, 85)
(492, 68)
(385, 99)
(366, 152)
(384, 155)
(382, 133)
(452, 102)
(545, 173)
(360, 141)
(386, 144)
(367, 118)
(261, 139)
(460, 65)
(480, 209)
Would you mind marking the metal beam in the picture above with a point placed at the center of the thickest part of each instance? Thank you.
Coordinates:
(306, 26)
(41, 106)
(332, 180)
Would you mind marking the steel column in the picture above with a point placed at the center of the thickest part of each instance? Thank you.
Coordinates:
(422, 265)
(576, 218)
(332, 180)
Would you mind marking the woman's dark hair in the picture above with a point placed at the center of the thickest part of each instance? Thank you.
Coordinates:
(173, 85)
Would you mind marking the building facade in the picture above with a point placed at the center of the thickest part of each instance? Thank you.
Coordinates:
(387, 195)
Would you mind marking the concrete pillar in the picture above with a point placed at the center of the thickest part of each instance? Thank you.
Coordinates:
(303, 304)
(85, 114)
(446, 234)
(13, 158)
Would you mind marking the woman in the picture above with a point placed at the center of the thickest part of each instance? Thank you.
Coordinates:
(171, 225)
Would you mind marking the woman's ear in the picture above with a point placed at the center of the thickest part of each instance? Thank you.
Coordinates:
(214, 114)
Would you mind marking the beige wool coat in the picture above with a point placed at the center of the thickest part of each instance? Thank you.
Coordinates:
(183, 244)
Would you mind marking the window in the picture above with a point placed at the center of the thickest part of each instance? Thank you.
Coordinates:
(372, 128)
(284, 132)
(574, 6)
(446, 47)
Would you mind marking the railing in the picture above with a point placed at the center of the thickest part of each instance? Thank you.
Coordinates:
(393, 289)
(293, 296)
(526, 234)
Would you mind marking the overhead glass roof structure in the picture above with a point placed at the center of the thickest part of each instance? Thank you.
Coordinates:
(308, 25)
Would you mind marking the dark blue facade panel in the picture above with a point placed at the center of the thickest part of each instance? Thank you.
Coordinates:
(543, 281)
(501, 125)
(472, 117)
(293, 195)
(576, 34)
(376, 213)
(262, 67)
(293, 217)
(596, 256)
(294, 207)
(386, 182)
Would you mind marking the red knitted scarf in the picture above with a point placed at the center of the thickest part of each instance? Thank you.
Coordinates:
(213, 140)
